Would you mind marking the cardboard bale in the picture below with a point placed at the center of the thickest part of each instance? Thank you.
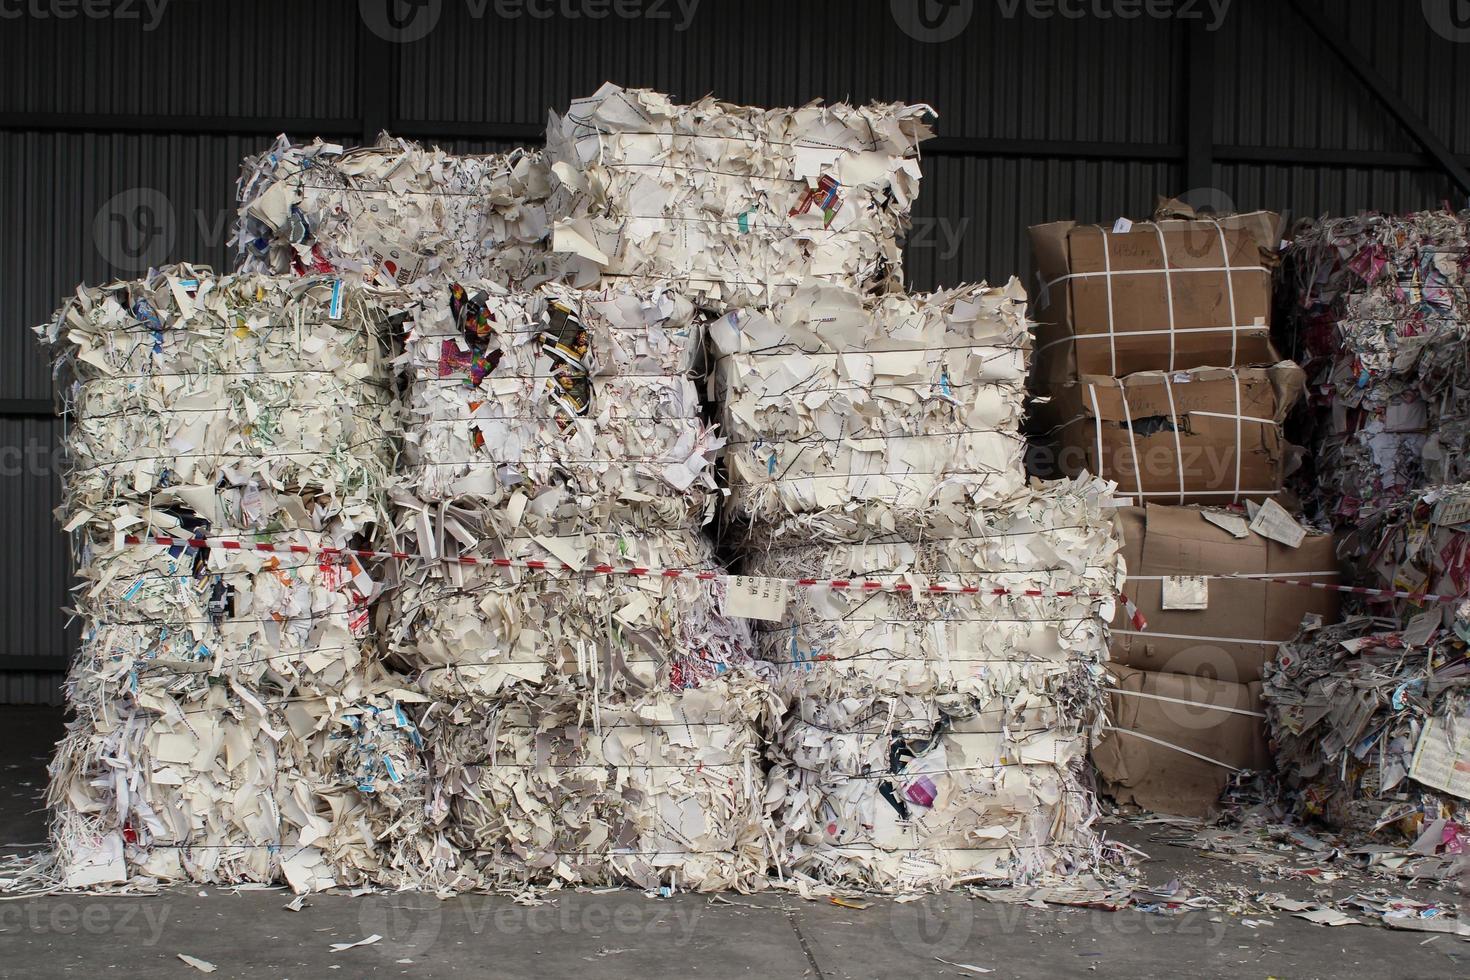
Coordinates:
(1157, 777)
(1167, 295)
(1207, 435)
(1217, 641)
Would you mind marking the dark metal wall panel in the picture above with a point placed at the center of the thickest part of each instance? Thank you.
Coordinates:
(1015, 77)
(31, 687)
(34, 574)
(972, 215)
(95, 207)
(1310, 192)
(1279, 85)
(217, 58)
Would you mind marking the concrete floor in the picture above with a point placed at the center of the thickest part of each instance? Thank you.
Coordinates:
(624, 934)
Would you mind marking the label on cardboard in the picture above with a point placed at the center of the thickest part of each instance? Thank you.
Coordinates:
(1186, 592)
(1122, 226)
(750, 597)
(1272, 521)
(1440, 763)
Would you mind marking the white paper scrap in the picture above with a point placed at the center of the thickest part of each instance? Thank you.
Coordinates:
(751, 597)
(1233, 523)
(1275, 523)
(1440, 764)
(203, 966)
(339, 947)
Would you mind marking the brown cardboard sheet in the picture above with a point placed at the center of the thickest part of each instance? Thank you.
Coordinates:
(1245, 620)
(1208, 435)
(1160, 778)
(1166, 295)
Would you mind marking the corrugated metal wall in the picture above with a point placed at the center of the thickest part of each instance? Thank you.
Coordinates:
(1086, 118)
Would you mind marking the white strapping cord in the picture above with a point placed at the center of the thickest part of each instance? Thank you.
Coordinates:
(1108, 272)
(1154, 272)
(1230, 288)
(1193, 636)
(1234, 373)
(1097, 418)
(1174, 424)
(1169, 294)
(1170, 745)
(1132, 440)
(1197, 704)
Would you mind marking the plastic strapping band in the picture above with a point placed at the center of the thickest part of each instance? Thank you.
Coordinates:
(1178, 447)
(1197, 704)
(1171, 745)
(1238, 447)
(1108, 278)
(1230, 289)
(1168, 293)
(1132, 440)
(1097, 418)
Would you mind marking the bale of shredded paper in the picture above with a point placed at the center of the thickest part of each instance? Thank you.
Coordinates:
(478, 630)
(1370, 724)
(736, 203)
(558, 406)
(394, 213)
(972, 669)
(1419, 545)
(228, 722)
(850, 416)
(664, 789)
(247, 401)
(1380, 320)
(898, 793)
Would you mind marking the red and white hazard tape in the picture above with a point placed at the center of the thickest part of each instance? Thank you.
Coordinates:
(859, 585)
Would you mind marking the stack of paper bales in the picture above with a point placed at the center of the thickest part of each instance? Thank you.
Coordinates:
(229, 721)
(557, 474)
(1381, 317)
(941, 693)
(738, 204)
(395, 213)
(937, 735)
(1155, 367)
(1190, 680)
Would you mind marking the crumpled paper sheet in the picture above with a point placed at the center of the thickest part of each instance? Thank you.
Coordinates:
(253, 402)
(664, 789)
(899, 793)
(481, 631)
(740, 204)
(559, 405)
(1346, 706)
(395, 213)
(1382, 319)
(849, 415)
(866, 673)
(229, 724)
